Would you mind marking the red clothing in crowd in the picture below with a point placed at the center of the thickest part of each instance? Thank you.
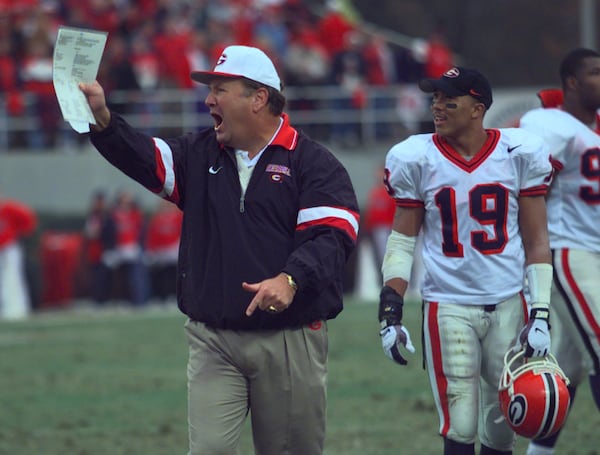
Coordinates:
(164, 230)
(378, 220)
(20, 6)
(147, 68)
(94, 244)
(242, 26)
(16, 220)
(99, 233)
(129, 224)
(37, 75)
(379, 61)
(332, 31)
(162, 249)
(438, 58)
(98, 15)
(380, 209)
(171, 48)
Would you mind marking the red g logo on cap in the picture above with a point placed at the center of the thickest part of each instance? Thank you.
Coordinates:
(222, 59)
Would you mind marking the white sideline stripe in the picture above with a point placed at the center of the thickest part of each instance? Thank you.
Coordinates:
(167, 158)
(318, 213)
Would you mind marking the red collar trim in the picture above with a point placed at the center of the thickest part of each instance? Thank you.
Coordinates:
(493, 136)
(287, 136)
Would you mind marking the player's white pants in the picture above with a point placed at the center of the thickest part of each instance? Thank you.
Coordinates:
(575, 314)
(464, 349)
(14, 299)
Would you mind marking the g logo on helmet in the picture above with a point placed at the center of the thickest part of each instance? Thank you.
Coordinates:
(517, 410)
(533, 395)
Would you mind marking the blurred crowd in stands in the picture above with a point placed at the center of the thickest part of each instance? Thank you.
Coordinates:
(121, 256)
(154, 44)
(126, 254)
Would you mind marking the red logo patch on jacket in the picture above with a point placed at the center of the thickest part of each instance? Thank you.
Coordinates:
(315, 325)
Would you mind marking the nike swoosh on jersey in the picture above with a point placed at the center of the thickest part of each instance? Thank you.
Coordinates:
(537, 329)
(510, 149)
(213, 171)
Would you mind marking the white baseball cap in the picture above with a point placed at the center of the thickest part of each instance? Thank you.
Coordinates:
(242, 61)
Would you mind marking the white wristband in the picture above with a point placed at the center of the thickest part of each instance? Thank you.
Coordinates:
(398, 259)
(539, 279)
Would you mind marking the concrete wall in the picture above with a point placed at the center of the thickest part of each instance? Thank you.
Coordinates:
(62, 182)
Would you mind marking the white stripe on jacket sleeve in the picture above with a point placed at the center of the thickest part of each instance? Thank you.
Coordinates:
(166, 156)
(337, 217)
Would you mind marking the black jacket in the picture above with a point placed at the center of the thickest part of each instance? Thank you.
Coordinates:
(299, 215)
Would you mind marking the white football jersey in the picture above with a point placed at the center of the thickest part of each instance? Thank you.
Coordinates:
(472, 248)
(574, 199)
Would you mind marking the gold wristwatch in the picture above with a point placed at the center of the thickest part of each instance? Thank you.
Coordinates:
(291, 281)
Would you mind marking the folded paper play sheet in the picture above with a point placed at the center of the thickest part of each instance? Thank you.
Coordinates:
(77, 55)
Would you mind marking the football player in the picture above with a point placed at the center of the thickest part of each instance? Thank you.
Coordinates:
(478, 194)
(568, 123)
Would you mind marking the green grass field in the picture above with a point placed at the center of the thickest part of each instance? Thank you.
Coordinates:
(113, 382)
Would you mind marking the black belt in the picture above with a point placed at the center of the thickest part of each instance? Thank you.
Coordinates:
(489, 308)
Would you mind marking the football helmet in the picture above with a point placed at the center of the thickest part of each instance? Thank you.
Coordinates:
(533, 394)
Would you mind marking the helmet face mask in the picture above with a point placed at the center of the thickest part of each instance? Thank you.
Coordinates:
(533, 395)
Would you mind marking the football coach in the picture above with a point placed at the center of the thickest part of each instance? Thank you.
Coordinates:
(270, 219)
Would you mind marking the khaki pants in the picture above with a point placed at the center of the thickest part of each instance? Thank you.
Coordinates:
(279, 376)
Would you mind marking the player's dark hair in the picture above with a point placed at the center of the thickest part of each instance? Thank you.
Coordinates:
(276, 101)
(573, 62)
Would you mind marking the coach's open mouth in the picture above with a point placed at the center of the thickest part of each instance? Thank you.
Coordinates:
(218, 121)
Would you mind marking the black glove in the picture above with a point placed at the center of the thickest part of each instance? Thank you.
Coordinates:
(393, 333)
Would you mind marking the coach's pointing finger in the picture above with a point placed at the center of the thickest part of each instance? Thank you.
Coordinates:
(255, 303)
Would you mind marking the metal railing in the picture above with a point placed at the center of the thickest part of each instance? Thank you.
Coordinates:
(326, 113)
